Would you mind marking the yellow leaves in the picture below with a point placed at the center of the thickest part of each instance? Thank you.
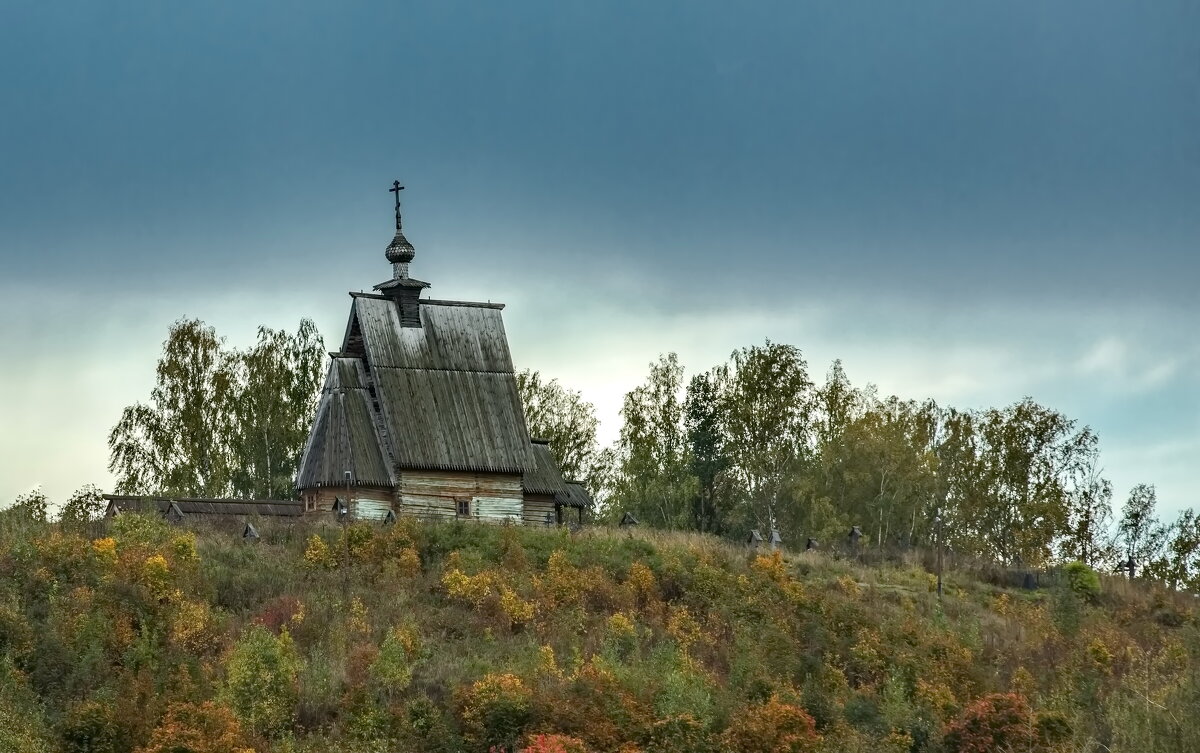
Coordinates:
(620, 626)
(392, 668)
(193, 627)
(359, 621)
(772, 566)
(516, 609)
(408, 562)
(1100, 655)
(1023, 681)
(156, 576)
(489, 588)
(642, 582)
(105, 552)
(473, 589)
(547, 665)
(317, 555)
(495, 709)
(936, 695)
(183, 548)
(848, 586)
(683, 627)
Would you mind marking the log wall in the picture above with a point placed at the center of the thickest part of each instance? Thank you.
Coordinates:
(492, 497)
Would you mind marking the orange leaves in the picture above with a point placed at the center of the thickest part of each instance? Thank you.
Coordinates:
(197, 728)
(1001, 721)
(553, 744)
(772, 727)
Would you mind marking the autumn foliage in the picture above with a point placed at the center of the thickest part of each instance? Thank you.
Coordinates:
(135, 636)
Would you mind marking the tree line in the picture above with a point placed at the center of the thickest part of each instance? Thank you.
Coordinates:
(757, 443)
(752, 443)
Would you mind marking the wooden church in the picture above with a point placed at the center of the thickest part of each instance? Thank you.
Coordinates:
(420, 415)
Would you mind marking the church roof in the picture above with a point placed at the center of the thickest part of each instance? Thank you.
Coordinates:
(452, 337)
(544, 477)
(423, 385)
(343, 436)
(441, 396)
(575, 495)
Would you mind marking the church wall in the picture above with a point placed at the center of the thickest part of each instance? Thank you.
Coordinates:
(490, 497)
(373, 501)
(537, 507)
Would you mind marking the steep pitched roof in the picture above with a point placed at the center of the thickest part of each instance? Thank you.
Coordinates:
(441, 396)
(452, 337)
(344, 435)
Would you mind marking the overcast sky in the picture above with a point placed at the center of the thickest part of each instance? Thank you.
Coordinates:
(970, 201)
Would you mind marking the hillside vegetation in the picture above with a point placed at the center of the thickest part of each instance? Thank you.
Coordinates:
(139, 636)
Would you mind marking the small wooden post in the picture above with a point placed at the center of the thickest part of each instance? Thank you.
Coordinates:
(937, 525)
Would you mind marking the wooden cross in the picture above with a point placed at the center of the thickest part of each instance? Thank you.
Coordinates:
(396, 189)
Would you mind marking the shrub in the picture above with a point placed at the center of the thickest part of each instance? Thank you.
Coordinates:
(772, 727)
(1001, 721)
(92, 728)
(392, 669)
(553, 744)
(317, 555)
(260, 683)
(1083, 580)
(495, 710)
(197, 728)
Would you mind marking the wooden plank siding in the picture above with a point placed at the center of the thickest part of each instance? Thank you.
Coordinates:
(537, 507)
(493, 497)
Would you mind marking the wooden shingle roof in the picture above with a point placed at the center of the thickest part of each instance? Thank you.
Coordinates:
(544, 477)
(452, 336)
(575, 495)
(344, 436)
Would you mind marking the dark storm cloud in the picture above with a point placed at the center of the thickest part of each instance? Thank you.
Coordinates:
(972, 201)
(1020, 148)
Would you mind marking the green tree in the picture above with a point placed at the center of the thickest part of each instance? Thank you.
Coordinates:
(1142, 535)
(261, 681)
(704, 426)
(652, 478)
(178, 442)
(1178, 564)
(1088, 536)
(562, 416)
(277, 385)
(767, 410)
(84, 506)
(1017, 505)
(22, 724)
(220, 421)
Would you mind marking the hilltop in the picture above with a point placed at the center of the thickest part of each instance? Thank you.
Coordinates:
(135, 635)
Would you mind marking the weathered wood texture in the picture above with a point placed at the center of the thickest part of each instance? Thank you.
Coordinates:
(493, 497)
(344, 435)
(538, 507)
(543, 477)
(203, 508)
(454, 420)
(451, 337)
(366, 503)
